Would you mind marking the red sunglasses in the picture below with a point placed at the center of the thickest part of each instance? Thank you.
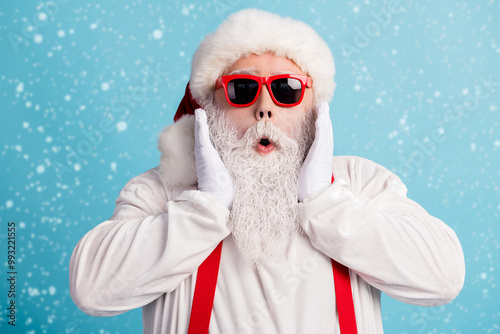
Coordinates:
(286, 90)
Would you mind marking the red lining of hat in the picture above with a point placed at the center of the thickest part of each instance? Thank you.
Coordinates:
(187, 106)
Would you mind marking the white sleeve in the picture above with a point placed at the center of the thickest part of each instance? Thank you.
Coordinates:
(365, 221)
(149, 246)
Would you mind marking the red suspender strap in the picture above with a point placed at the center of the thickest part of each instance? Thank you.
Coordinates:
(343, 296)
(206, 281)
(204, 293)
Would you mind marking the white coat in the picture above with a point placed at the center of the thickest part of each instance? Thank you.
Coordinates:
(147, 254)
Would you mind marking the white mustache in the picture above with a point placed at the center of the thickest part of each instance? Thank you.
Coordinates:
(267, 130)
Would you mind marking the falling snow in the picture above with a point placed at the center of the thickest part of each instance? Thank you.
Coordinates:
(83, 103)
(157, 34)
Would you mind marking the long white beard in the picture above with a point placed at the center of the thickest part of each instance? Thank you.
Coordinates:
(263, 217)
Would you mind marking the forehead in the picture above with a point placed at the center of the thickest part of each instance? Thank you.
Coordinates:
(264, 65)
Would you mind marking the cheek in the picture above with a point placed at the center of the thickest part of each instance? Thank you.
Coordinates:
(241, 118)
(291, 124)
(308, 100)
(293, 118)
(220, 98)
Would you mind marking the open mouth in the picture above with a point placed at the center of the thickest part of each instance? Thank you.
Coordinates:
(265, 146)
(264, 142)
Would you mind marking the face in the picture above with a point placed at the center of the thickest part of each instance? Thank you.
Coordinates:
(264, 109)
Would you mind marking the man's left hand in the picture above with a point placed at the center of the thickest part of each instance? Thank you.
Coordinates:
(316, 172)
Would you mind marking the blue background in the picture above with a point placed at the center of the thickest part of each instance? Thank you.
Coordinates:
(417, 91)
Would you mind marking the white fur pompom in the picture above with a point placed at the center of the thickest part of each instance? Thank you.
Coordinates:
(176, 144)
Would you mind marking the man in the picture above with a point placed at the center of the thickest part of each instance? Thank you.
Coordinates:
(253, 169)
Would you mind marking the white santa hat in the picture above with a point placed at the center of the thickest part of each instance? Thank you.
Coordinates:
(253, 31)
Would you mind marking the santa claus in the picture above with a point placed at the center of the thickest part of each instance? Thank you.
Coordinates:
(249, 224)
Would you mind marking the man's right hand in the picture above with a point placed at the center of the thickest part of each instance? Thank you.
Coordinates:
(213, 176)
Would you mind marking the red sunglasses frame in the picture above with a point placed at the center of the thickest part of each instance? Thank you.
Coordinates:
(305, 81)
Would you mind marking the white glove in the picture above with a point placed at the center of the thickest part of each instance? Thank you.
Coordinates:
(213, 176)
(316, 172)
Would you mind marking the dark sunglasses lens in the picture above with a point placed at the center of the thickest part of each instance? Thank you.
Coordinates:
(287, 90)
(242, 91)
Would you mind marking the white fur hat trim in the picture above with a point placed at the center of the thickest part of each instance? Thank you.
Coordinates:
(255, 31)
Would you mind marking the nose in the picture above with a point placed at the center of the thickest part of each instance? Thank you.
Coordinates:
(264, 106)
